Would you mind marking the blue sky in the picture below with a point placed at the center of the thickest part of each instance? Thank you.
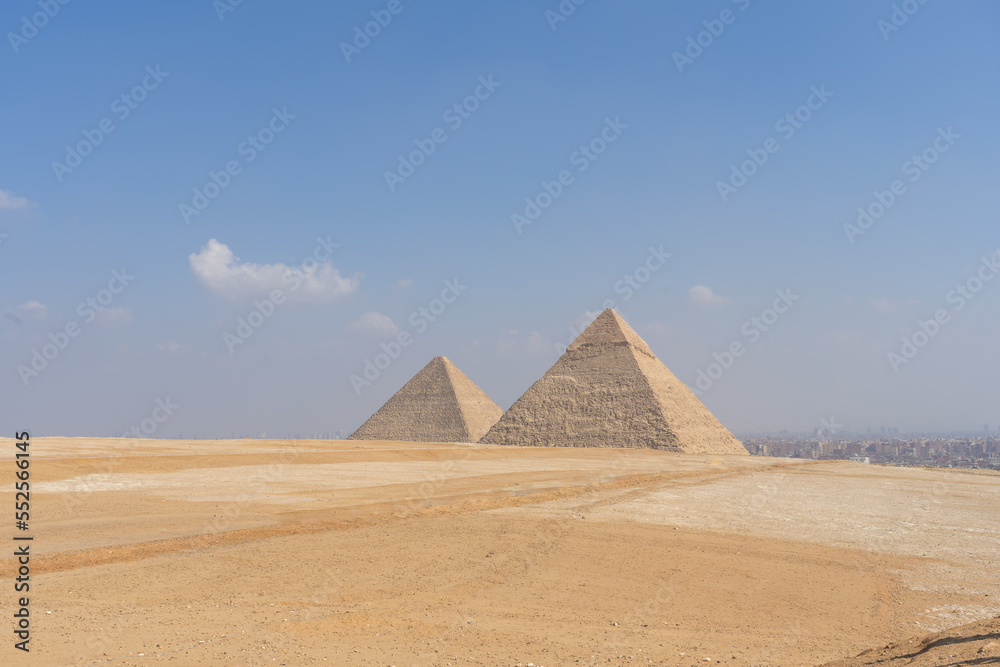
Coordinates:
(211, 88)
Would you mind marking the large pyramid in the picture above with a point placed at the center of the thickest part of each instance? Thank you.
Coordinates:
(438, 404)
(609, 390)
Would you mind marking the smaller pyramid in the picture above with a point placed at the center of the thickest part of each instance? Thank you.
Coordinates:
(438, 404)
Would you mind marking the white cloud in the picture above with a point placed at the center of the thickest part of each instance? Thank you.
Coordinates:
(536, 343)
(375, 323)
(658, 328)
(12, 202)
(169, 346)
(703, 295)
(404, 282)
(218, 269)
(115, 317)
(32, 310)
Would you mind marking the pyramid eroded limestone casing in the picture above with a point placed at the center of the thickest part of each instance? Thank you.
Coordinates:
(609, 390)
(438, 404)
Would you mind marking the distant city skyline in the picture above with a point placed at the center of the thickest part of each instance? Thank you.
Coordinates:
(928, 450)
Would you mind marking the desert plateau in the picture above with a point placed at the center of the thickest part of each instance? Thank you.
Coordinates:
(413, 554)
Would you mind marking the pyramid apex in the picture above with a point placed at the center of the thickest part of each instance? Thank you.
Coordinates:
(449, 367)
(610, 328)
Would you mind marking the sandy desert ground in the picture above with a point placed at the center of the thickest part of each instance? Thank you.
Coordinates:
(406, 554)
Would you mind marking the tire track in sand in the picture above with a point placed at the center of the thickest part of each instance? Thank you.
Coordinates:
(643, 483)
